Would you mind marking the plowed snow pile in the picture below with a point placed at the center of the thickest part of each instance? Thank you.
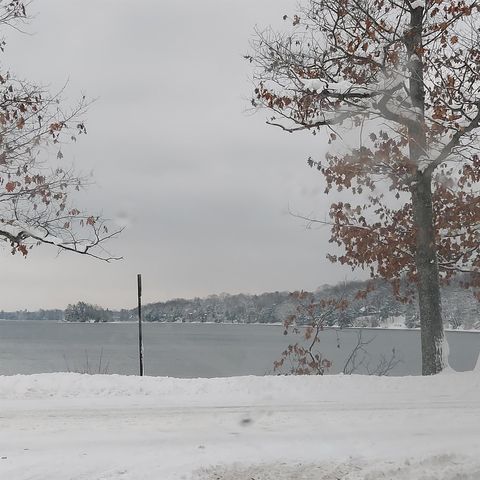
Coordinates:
(71, 426)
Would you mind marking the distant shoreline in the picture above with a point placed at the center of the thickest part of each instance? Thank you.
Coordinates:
(276, 324)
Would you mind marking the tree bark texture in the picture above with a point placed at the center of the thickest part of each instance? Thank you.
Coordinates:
(428, 282)
(428, 288)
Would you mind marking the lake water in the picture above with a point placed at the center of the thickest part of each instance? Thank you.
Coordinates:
(199, 350)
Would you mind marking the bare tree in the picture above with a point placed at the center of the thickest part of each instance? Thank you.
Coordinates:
(401, 80)
(360, 359)
(35, 193)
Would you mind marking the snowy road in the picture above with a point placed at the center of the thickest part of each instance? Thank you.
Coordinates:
(67, 426)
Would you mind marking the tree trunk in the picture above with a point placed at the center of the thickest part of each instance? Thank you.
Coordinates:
(428, 288)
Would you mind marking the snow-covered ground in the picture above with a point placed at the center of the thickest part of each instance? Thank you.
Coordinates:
(70, 426)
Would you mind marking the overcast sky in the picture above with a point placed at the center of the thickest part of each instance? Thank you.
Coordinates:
(203, 185)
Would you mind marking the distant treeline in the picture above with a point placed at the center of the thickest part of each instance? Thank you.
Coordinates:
(38, 315)
(379, 308)
(85, 312)
(79, 312)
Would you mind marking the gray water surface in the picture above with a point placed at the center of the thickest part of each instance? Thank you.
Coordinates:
(200, 350)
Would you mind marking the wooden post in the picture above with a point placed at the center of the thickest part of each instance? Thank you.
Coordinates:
(140, 338)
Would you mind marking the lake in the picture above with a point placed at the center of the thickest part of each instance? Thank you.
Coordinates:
(201, 350)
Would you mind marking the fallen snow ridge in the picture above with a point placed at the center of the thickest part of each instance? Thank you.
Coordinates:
(79, 427)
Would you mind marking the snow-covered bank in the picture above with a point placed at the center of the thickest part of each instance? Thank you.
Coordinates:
(71, 426)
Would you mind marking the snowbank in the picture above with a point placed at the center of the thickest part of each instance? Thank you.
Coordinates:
(70, 426)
